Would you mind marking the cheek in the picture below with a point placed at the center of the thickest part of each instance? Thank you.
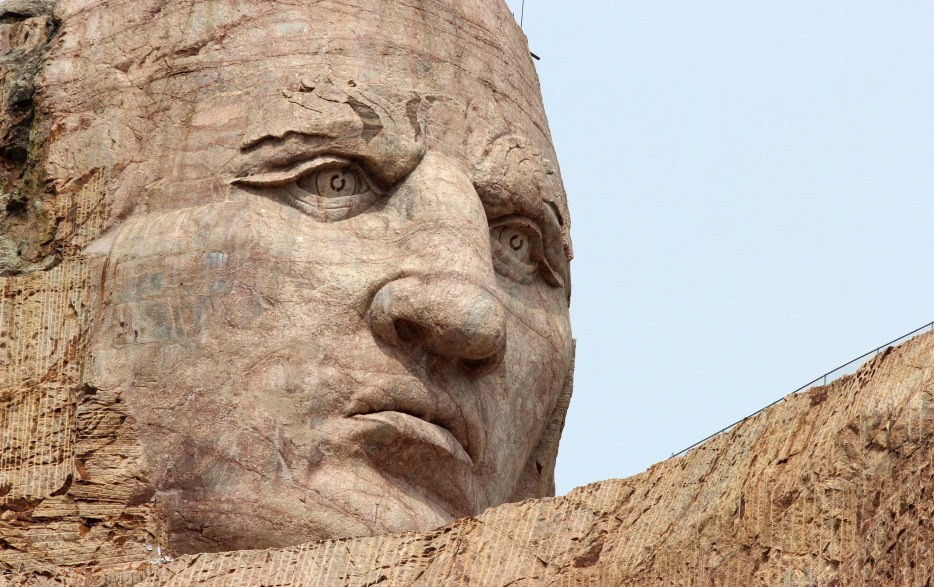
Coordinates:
(539, 313)
(538, 349)
(240, 314)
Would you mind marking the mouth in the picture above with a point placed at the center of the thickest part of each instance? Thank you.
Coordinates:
(421, 430)
(445, 434)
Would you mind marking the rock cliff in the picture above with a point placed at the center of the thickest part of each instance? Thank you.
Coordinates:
(832, 487)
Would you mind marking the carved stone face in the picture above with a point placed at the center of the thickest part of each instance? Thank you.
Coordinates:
(335, 290)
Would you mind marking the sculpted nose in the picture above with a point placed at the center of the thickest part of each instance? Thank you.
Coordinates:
(447, 316)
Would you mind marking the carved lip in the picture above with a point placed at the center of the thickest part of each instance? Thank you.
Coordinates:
(422, 430)
(440, 429)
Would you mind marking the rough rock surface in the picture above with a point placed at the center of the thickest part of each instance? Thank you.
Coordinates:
(272, 271)
(27, 218)
(832, 487)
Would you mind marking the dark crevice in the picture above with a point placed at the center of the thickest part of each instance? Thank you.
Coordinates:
(27, 223)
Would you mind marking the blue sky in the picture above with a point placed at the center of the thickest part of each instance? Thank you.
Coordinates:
(752, 192)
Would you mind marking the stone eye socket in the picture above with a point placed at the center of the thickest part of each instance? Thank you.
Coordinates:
(328, 189)
(518, 251)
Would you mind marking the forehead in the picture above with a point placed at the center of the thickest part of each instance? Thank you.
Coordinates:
(184, 84)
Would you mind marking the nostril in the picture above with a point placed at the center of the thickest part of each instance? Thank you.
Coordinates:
(444, 317)
(475, 368)
(472, 364)
(406, 330)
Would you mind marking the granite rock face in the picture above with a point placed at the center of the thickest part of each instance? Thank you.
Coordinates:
(273, 271)
(27, 223)
(832, 487)
(293, 275)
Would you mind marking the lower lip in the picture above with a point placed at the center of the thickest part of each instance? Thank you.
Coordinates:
(421, 430)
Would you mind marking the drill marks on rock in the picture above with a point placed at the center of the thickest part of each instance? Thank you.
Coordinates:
(58, 509)
(40, 373)
(370, 119)
(83, 212)
(848, 523)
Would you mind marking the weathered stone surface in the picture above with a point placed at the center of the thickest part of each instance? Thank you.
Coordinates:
(281, 271)
(832, 487)
(275, 271)
(27, 217)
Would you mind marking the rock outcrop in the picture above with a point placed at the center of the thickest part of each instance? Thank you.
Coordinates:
(832, 487)
(271, 272)
(279, 273)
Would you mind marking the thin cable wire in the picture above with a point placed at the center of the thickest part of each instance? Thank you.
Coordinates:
(522, 14)
(806, 386)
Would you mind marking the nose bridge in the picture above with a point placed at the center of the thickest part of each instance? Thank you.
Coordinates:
(448, 229)
(445, 297)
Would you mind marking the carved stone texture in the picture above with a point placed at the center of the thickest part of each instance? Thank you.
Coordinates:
(833, 487)
(302, 273)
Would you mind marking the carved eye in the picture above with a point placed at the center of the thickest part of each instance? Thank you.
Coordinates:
(517, 249)
(515, 242)
(329, 189)
(334, 183)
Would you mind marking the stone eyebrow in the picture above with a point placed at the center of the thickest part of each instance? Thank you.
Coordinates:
(386, 156)
(258, 142)
(275, 150)
(320, 119)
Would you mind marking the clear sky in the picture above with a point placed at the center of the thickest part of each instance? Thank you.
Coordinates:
(752, 192)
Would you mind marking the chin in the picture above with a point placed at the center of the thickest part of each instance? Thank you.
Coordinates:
(232, 509)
